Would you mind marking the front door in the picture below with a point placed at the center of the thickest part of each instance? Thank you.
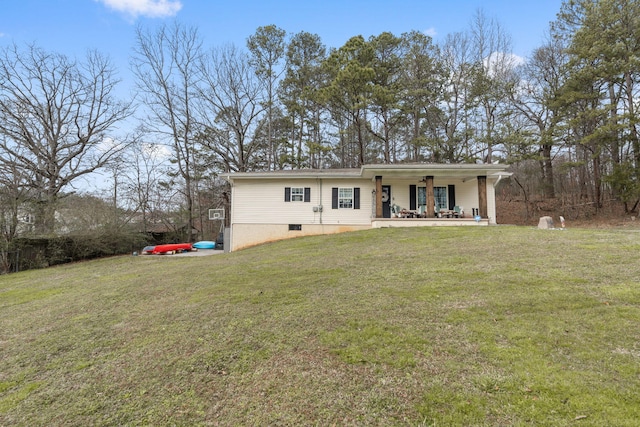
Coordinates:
(386, 201)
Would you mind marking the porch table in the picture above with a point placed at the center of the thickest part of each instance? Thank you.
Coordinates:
(448, 214)
(406, 213)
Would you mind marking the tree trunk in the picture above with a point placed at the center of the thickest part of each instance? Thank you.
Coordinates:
(547, 171)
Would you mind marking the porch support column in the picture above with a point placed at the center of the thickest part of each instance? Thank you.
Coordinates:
(431, 201)
(379, 197)
(482, 196)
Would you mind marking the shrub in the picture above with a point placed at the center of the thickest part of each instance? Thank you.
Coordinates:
(31, 253)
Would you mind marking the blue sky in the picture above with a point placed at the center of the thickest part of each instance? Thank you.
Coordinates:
(73, 26)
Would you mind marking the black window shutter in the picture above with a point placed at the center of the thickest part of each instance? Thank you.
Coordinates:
(356, 198)
(334, 198)
(287, 194)
(452, 196)
(412, 197)
(307, 194)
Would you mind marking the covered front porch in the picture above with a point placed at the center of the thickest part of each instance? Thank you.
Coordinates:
(464, 192)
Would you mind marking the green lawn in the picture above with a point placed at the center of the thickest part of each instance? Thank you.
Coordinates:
(437, 326)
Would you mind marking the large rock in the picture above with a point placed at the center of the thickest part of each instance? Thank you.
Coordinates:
(545, 223)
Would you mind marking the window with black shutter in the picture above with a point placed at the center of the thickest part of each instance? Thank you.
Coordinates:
(297, 194)
(452, 196)
(412, 197)
(345, 198)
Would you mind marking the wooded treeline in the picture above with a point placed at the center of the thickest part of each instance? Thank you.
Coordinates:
(565, 118)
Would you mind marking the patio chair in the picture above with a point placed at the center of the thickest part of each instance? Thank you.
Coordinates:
(395, 211)
(458, 212)
(422, 211)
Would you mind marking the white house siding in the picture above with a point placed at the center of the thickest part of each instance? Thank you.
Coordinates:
(467, 196)
(260, 213)
(262, 201)
(360, 216)
(399, 191)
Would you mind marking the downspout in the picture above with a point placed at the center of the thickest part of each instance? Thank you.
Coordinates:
(320, 201)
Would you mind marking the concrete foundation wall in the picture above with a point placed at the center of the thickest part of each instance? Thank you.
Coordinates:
(431, 222)
(246, 235)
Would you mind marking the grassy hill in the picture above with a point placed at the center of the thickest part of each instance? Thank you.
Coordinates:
(419, 326)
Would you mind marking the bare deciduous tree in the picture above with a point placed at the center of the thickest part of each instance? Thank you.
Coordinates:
(55, 118)
(491, 50)
(534, 97)
(166, 66)
(231, 109)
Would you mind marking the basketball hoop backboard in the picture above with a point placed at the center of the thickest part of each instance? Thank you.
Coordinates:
(216, 214)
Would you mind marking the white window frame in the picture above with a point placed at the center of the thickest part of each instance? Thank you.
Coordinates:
(297, 194)
(345, 198)
(440, 194)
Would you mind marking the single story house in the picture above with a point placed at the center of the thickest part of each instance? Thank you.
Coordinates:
(275, 205)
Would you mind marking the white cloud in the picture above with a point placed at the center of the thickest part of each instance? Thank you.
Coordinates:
(148, 8)
(499, 63)
(517, 59)
(431, 32)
